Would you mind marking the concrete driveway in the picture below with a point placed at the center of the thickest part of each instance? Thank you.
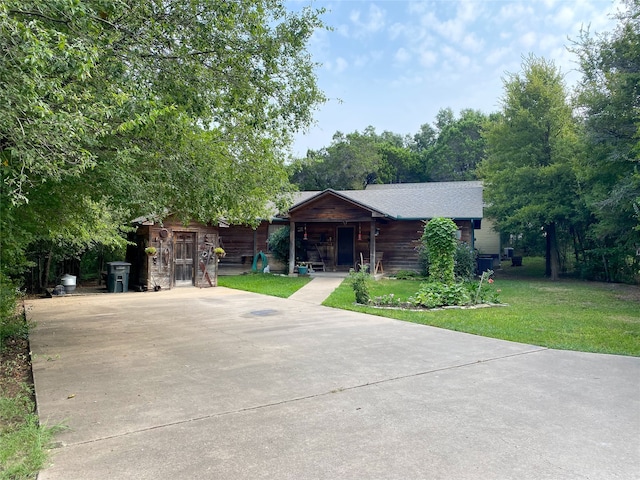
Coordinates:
(222, 384)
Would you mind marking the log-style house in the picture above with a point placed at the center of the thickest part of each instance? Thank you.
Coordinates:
(381, 225)
(331, 230)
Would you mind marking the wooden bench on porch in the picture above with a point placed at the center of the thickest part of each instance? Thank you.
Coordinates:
(314, 260)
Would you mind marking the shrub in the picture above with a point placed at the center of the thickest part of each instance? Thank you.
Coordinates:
(464, 262)
(407, 275)
(360, 283)
(11, 323)
(388, 300)
(439, 237)
(279, 244)
(439, 294)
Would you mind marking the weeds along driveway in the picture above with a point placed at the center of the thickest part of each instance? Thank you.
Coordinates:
(217, 383)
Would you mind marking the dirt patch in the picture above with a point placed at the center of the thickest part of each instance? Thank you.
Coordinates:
(15, 366)
(627, 293)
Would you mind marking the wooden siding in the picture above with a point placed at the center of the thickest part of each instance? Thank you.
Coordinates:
(241, 243)
(400, 243)
(157, 271)
(330, 209)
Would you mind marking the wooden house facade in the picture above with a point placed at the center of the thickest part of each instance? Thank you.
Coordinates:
(345, 231)
(331, 230)
(380, 226)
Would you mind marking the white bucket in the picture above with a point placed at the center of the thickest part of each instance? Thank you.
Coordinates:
(68, 282)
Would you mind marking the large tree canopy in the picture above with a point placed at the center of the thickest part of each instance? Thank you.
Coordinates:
(530, 184)
(609, 99)
(460, 146)
(142, 107)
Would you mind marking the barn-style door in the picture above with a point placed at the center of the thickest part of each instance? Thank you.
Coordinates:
(184, 258)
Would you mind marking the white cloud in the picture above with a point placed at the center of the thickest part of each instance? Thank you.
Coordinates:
(472, 43)
(339, 65)
(375, 20)
(454, 59)
(397, 30)
(496, 55)
(563, 18)
(428, 58)
(367, 58)
(343, 30)
(402, 55)
(361, 60)
(514, 11)
(549, 3)
(549, 41)
(528, 40)
(405, 81)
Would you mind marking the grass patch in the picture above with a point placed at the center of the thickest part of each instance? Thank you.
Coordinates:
(567, 315)
(24, 442)
(267, 284)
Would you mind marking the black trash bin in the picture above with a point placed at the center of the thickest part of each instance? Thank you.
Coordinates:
(118, 277)
(484, 264)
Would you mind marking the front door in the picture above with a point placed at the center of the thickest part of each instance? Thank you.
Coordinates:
(183, 258)
(345, 246)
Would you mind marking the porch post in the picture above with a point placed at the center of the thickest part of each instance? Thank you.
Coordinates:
(372, 246)
(292, 246)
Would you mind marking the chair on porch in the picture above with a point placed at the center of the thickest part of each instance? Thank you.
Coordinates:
(363, 265)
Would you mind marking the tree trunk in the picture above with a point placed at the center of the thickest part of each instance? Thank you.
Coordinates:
(552, 249)
(547, 256)
(47, 268)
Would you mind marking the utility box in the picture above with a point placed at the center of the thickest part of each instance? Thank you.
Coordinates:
(118, 277)
(484, 264)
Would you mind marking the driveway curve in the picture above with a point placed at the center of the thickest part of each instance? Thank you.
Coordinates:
(222, 384)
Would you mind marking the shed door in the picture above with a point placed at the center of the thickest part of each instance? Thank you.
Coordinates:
(183, 258)
(345, 246)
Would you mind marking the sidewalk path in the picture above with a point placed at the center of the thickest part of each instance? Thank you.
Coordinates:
(319, 288)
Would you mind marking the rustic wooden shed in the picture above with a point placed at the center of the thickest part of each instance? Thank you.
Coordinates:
(170, 254)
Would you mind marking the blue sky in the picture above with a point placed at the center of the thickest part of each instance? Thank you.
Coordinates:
(394, 64)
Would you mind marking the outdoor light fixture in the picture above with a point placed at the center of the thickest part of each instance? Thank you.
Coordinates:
(359, 231)
(304, 237)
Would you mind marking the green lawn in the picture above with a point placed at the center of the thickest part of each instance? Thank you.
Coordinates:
(568, 314)
(267, 284)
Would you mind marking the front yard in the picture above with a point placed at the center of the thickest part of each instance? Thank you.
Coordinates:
(568, 314)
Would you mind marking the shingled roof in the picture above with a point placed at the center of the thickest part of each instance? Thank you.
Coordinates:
(411, 201)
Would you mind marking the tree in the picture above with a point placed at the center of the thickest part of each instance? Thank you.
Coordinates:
(460, 146)
(609, 99)
(529, 181)
(145, 108)
(350, 163)
(399, 164)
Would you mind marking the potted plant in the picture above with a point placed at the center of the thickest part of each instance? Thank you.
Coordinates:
(151, 251)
